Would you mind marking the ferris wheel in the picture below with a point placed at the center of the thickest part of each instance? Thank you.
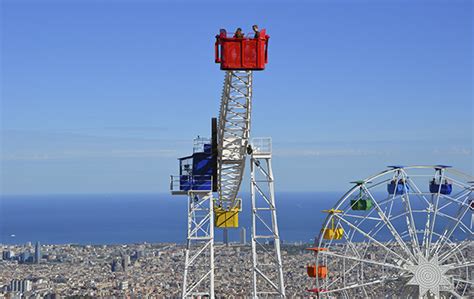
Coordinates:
(406, 232)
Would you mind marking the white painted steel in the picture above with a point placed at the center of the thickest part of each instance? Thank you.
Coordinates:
(233, 134)
(404, 243)
(233, 140)
(198, 277)
(266, 257)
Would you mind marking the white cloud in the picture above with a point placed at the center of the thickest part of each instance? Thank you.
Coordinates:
(81, 154)
(454, 150)
(328, 152)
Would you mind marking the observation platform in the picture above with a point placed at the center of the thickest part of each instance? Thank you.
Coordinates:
(183, 184)
(261, 147)
(197, 172)
(241, 53)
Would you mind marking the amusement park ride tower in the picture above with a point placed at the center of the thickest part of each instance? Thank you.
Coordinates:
(218, 165)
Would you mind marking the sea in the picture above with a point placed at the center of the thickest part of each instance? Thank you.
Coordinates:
(139, 218)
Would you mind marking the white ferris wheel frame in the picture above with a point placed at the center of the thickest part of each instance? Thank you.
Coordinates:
(408, 252)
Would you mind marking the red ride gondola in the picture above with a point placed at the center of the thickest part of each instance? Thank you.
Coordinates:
(245, 53)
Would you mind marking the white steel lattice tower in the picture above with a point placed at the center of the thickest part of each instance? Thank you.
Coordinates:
(233, 134)
(266, 257)
(199, 264)
(238, 57)
(232, 148)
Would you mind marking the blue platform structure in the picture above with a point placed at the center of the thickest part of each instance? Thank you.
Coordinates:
(195, 171)
(198, 172)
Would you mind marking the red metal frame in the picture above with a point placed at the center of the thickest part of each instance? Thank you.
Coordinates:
(241, 53)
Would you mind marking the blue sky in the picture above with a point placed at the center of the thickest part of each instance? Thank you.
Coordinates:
(103, 96)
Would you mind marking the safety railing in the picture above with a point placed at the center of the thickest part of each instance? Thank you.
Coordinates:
(201, 145)
(262, 145)
(181, 184)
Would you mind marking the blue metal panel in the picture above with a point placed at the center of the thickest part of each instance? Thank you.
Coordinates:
(207, 148)
(197, 170)
(185, 182)
(202, 164)
(200, 182)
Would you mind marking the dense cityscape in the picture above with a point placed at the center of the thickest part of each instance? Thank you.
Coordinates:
(140, 270)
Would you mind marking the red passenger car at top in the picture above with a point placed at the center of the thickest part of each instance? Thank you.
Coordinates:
(245, 53)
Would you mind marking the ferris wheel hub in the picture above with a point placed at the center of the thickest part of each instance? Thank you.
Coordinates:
(429, 275)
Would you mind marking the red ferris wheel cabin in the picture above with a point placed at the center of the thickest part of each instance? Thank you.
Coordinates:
(245, 53)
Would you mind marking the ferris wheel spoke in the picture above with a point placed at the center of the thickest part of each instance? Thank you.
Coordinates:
(462, 210)
(391, 228)
(435, 212)
(424, 244)
(461, 174)
(454, 293)
(372, 239)
(361, 260)
(388, 213)
(457, 266)
(461, 184)
(346, 295)
(362, 217)
(447, 234)
(353, 232)
(327, 286)
(445, 206)
(380, 225)
(411, 226)
(349, 242)
(464, 281)
(368, 216)
(350, 245)
(418, 193)
(457, 248)
(357, 285)
(462, 225)
(465, 193)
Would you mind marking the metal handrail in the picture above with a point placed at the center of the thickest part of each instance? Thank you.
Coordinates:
(199, 142)
(262, 145)
(184, 183)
